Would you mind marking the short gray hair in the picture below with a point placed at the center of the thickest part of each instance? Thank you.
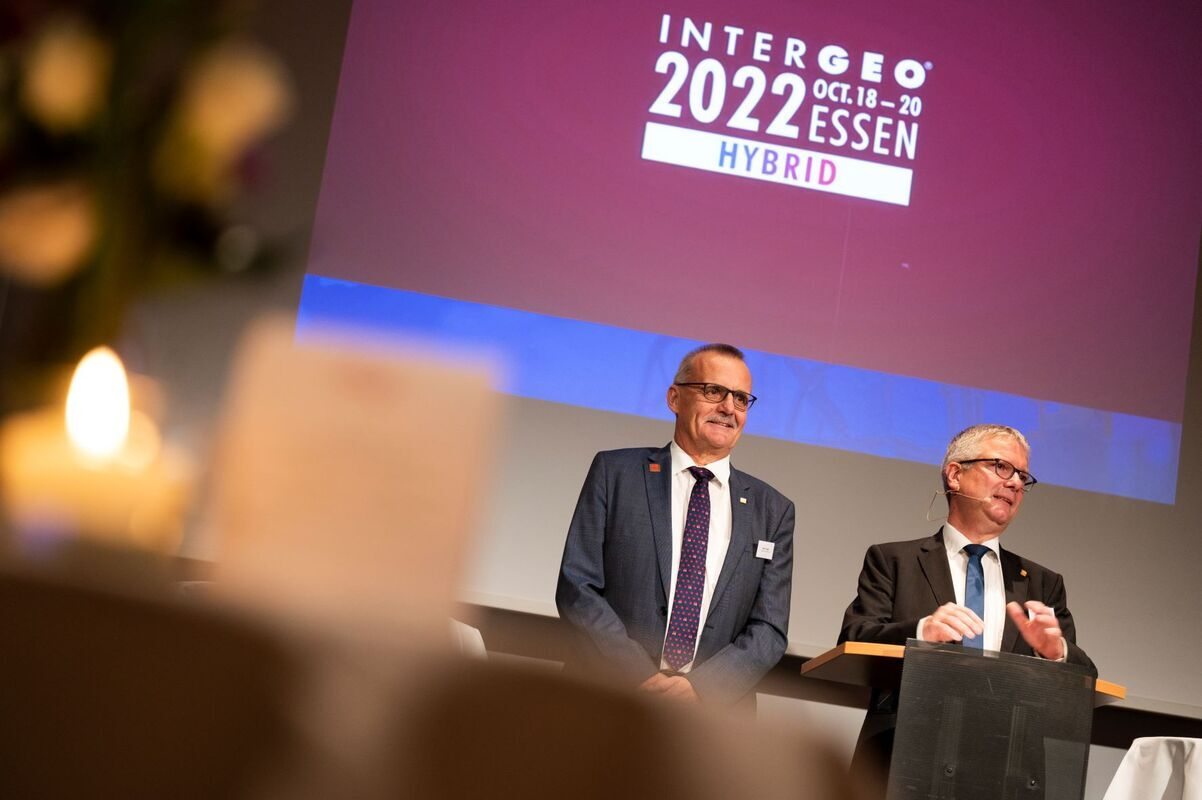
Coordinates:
(967, 444)
(686, 364)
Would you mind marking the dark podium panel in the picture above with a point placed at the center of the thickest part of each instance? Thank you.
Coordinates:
(982, 725)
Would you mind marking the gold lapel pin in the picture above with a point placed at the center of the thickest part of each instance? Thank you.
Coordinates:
(743, 500)
(1022, 572)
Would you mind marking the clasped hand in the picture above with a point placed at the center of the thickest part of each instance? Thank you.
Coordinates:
(670, 687)
(951, 623)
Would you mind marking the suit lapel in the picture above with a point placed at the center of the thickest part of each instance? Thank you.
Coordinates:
(932, 557)
(1016, 583)
(740, 533)
(658, 474)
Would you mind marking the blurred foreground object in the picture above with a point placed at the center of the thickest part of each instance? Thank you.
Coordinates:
(99, 471)
(484, 731)
(347, 482)
(109, 694)
(318, 664)
(106, 693)
(129, 132)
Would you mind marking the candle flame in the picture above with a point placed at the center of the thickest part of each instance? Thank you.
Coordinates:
(98, 405)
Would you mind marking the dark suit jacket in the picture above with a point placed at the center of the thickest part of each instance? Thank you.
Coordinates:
(616, 574)
(902, 582)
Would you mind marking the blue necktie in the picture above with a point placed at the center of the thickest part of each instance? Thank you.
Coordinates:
(974, 589)
(681, 640)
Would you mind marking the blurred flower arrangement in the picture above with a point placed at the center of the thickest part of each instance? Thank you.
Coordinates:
(128, 132)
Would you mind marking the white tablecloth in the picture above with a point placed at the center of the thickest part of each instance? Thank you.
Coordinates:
(1159, 768)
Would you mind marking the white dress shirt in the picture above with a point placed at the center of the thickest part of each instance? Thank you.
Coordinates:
(995, 591)
(720, 522)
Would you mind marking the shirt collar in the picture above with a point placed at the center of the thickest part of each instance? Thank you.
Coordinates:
(955, 541)
(682, 461)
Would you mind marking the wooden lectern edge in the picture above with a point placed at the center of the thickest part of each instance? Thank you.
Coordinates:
(853, 649)
(1104, 691)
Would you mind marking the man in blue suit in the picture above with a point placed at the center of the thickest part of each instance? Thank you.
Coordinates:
(677, 568)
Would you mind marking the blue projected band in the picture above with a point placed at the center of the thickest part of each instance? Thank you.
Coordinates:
(894, 416)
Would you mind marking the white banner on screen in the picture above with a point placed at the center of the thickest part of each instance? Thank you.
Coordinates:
(791, 166)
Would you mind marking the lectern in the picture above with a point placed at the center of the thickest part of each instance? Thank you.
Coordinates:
(973, 724)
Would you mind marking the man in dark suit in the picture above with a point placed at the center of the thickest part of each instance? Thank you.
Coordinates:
(677, 568)
(960, 585)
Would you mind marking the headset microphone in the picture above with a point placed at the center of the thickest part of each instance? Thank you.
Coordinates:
(970, 497)
(938, 492)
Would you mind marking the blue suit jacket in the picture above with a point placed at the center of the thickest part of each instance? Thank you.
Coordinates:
(616, 574)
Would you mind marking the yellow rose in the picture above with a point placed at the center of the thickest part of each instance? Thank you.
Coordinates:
(65, 76)
(235, 95)
(46, 231)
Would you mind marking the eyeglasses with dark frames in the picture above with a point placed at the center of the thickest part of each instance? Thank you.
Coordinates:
(716, 393)
(1005, 470)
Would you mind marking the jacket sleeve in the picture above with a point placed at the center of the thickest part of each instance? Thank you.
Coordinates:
(869, 618)
(1056, 597)
(580, 592)
(734, 670)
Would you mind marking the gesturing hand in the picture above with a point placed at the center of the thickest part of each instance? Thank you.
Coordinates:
(1040, 628)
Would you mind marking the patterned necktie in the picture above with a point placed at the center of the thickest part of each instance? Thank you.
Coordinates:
(681, 640)
(974, 589)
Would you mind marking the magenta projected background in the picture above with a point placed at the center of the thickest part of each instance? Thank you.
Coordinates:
(995, 200)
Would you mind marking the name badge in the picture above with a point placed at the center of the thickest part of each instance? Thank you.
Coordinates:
(764, 549)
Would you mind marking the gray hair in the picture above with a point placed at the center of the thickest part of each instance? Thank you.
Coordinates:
(967, 444)
(686, 364)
